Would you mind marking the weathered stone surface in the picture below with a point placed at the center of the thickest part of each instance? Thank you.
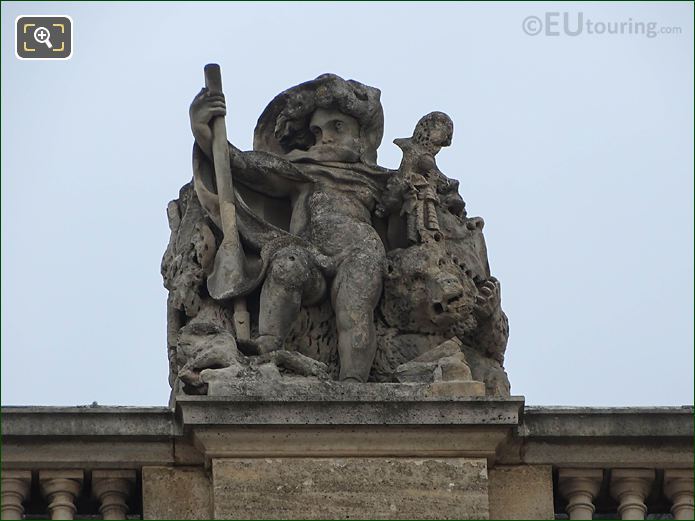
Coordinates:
(309, 390)
(449, 348)
(549, 422)
(521, 492)
(601, 453)
(351, 488)
(445, 362)
(125, 437)
(457, 389)
(277, 368)
(348, 441)
(96, 436)
(596, 437)
(338, 403)
(315, 249)
(176, 493)
(97, 451)
(87, 421)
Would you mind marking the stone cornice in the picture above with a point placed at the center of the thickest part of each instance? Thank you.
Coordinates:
(504, 431)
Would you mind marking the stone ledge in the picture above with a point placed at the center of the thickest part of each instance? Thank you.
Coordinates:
(396, 404)
(533, 421)
(88, 421)
(603, 422)
(603, 437)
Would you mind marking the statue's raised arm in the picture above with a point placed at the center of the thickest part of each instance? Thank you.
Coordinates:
(250, 168)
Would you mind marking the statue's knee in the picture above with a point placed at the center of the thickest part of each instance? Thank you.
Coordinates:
(290, 267)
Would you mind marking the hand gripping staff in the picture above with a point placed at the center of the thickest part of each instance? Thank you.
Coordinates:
(228, 270)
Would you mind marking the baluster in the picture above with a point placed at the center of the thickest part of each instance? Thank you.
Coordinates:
(112, 488)
(61, 488)
(580, 487)
(15, 491)
(678, 487)
(630, 487)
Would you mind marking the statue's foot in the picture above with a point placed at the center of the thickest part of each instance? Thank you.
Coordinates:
(247, 346)
(296, 364)
(268, 343)
(260, 345)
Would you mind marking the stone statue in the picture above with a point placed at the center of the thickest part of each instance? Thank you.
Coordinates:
(303, 260)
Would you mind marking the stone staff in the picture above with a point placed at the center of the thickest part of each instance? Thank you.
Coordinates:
(229, 261)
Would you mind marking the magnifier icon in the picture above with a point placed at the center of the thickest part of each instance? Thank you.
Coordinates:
(43, 35)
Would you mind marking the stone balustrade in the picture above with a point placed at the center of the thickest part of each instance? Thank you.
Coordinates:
(629, 488)
(580, 488)
(59, 490)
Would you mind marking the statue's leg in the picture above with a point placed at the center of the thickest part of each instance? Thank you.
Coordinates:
(355, 293)
(291, 279)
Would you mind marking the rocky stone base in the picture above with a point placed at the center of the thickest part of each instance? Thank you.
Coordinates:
(328, 390)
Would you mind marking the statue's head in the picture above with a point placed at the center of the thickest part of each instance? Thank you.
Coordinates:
(435, 130)
(336, 136)
(425, 290)
(329, 117)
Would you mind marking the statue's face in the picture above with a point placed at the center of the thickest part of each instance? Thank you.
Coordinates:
(440, 136)
(331, 127)
(337, 138)
(426, 291)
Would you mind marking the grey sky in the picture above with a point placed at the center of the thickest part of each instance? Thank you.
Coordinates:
(577, 151)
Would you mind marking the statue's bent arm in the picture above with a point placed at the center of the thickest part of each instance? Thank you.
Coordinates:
(265, 173)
